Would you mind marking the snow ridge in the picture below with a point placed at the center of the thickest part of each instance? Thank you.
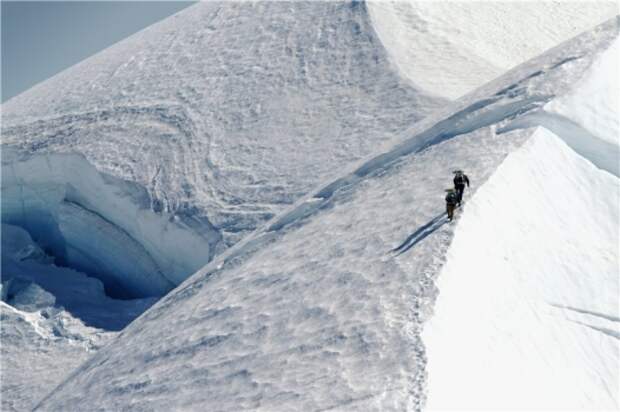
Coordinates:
(219, 118)
(313, 311)
(479, 40)
(547, 315)
(229, 111)
(515, 106)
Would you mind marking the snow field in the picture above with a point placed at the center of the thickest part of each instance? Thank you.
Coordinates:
(319, 308)
(323, 316)
(41, 347)
(479, 40)
(221, 118)
(528, 312)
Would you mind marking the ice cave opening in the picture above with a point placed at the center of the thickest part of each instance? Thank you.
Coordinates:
(93, 224)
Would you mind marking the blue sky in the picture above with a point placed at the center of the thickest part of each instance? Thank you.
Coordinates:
(41, 38)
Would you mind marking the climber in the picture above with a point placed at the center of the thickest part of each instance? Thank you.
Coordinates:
(460, 179)
(451, 201)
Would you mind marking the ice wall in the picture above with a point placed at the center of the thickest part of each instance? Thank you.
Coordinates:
(101, 225)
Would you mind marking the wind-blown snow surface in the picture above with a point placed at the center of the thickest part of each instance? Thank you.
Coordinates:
(322, 308)
(227, 111)
(478, 40)
(528, 313)
(49, 344)
(141, 163)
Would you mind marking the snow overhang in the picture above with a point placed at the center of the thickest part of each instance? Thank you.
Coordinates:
(101, 225)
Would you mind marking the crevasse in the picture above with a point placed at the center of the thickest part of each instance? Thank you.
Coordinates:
(102, 225)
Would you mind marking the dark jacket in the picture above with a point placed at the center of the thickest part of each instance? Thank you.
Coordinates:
(451, 198)
(461, 180)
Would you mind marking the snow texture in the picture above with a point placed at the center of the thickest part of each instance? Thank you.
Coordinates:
(135, 167)
(226, 111)
(478, 40)
(39, 349)
(322, 307)
(528, 312)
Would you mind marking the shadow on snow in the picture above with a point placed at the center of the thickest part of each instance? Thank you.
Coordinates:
(421, 233)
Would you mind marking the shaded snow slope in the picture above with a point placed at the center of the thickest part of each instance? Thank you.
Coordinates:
(528, 314)
(478, 40)
(31, 283)
(227, 110)
(38, 350)
(52, 319)
(322, 307)
(594, 102)
(587, 118)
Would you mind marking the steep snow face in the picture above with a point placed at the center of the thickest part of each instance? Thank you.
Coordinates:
(228, 110)
(101, 225)
(478, 40)
(322, 308)
(528, 314)
(595, 100)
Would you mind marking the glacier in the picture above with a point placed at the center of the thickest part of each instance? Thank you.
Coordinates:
(324, 307)
(140, 164)
(135, 167)
(300, 150)
(229, 111)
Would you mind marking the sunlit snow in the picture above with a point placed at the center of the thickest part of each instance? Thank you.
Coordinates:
(275, 173)
(323, 308)
(528, 310)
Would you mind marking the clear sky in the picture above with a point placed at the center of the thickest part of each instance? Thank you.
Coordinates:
(41, 38)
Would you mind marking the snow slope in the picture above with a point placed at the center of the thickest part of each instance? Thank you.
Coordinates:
(322, 307)
(141, 163)
(528, 314)
(227, 111)
(52, 319)
(32, 345)
(478, 40)
(194, 131)
(321, 316)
